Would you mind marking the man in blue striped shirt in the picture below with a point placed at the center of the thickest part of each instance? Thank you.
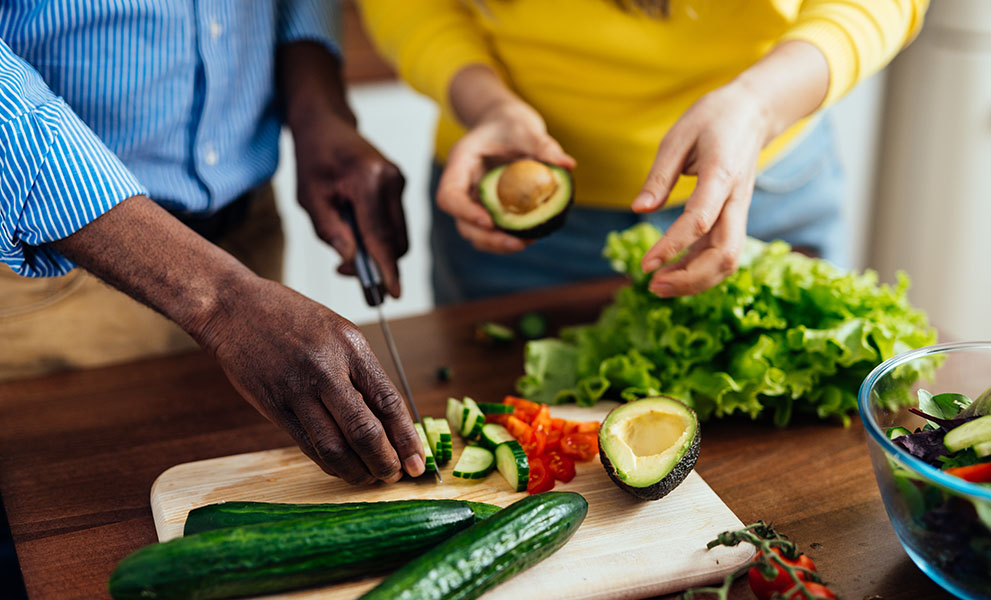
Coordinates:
(126, 125)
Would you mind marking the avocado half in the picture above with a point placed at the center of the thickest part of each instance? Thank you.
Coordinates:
(527, 198)
(650, 445)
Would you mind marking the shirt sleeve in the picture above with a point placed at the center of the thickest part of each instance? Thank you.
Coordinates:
(55, 173)
(857, 37)
(309, 20)
(428, 42)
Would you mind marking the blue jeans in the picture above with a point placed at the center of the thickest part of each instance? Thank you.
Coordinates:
(798, 199)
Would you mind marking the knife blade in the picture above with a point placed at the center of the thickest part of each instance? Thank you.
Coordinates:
(373, 287)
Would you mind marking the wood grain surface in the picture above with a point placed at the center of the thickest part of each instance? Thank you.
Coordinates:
(625, 548)
(79, 453)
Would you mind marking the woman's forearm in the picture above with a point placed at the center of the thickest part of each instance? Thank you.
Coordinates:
(477, 90)
(790, 82)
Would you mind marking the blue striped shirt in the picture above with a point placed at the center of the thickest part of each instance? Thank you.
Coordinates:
(103, 100)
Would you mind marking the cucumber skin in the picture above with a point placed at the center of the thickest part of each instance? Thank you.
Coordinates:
(237, 514)
(486, 554)
(289, 554)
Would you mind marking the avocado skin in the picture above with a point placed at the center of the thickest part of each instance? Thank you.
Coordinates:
(546, 228)
(662, 488)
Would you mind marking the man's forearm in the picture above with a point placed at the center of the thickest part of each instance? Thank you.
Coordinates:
(310, 84)
(140, 249)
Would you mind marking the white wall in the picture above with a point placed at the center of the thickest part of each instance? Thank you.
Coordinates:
(400, 123)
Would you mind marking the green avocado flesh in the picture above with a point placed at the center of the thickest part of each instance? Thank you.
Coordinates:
(547, 214)
(649, 446)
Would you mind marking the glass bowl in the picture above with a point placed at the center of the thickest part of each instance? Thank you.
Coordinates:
(942, 521)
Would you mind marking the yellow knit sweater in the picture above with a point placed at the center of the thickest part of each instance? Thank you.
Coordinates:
(610, 83)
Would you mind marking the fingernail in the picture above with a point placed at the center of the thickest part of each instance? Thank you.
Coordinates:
(662, 289)
(645, 201)
(414, 465)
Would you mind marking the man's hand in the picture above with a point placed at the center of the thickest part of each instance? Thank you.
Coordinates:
(336, 166)
(719, 139)
(303, 366)
(501, 128)
(310, 371)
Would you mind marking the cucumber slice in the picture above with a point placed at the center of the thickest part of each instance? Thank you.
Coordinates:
(495, 408)
(896, 432)
(434, 437)
(429, 462)
(475, 462)
(969, 434)
(494, 434)
(455, 414)
(447, 445)
(982, 449)
(471, 425)
(512, 463)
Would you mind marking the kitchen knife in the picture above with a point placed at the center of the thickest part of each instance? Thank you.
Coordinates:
(374, 289)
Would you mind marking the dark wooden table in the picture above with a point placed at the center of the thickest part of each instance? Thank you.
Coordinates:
(79, 452)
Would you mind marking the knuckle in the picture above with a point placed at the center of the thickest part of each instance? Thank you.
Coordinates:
(363, 431)
(700, 222)
(330, 450)
(388, 402)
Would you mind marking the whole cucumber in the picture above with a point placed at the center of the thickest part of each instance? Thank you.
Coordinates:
(236, 514)
(283, 555)
(489, 552)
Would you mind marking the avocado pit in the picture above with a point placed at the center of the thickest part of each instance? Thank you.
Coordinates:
(524, 185)
(527, 198)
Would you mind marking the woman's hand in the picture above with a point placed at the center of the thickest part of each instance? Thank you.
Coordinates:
(719, 139)
(501, 128)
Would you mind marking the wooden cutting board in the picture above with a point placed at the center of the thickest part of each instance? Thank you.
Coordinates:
(626, 548)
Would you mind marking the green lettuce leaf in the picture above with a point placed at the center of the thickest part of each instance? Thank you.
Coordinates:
(785, 334)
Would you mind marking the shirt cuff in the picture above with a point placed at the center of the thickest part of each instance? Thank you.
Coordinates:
(64, 179)
(309, 20)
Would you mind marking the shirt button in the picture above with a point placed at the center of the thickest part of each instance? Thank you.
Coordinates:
(211, 157)
(215, 29)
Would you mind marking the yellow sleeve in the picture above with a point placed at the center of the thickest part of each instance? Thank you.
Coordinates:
(428, 42)
(858, 37)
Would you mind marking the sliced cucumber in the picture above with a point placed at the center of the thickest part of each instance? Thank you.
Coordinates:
(969, 434)
(434, 438)
(455, 414)
(447, 445)
(897, 432)
(494, 434)
(429, 462)
(471, 425)
(475, 462)
(982, 449)
(512, 463)
(496, 408)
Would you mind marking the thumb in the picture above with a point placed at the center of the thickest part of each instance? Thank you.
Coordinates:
(550, 151)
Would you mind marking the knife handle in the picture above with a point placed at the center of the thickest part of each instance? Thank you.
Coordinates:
(368, 271)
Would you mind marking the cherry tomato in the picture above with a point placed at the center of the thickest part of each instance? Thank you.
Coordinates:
(557, 424)
(553, 441)
(535, 444)
(979, 473)
(518, 429)
(542, 420)
(764, 589)
(588, 427)
(818, 590)
(580, 446)
(540, 478)
(525, 410)
(560, 466)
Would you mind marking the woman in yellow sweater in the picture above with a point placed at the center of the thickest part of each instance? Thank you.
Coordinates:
(707, 109)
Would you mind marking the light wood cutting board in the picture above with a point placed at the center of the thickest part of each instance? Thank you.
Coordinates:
(625, 548)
